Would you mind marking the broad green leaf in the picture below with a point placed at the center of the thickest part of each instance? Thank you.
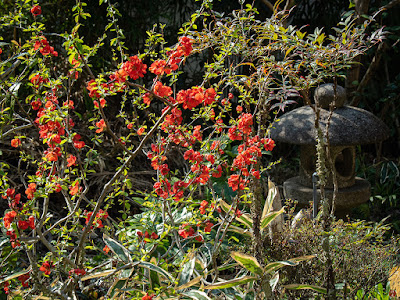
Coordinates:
(13, 276)
(187, 272)
(266, 220)
(305, 287)
(157, 269)
(248, 262)
(117, 248)
(230, 283)
(198, 295)
(190, 283)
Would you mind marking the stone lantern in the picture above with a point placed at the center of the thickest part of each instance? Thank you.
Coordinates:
(349, 126)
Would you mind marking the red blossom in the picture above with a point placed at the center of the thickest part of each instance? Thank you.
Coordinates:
(79, 272)
(236, 182)
(186, 231)
(147, 297)
(106, 249)
(46, 267)
(101, 126)
(15, 143)
(141, 130)
(71, 160)
(162, 90)
(23, 278)
(74, 189)
(36, 10)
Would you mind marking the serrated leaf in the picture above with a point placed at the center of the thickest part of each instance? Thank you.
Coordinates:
(198, 295)
(230, 283)
(306, 287)
(117, 248)
(248, 262)
(157, 269)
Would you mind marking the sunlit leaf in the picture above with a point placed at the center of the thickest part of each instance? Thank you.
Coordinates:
(230, 283)
(248, 262)
(198, 295)
(306, 287)
(117, 248)
(157, 269)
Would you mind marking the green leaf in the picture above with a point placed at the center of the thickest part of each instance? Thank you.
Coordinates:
(117, 248)
(187, 272)
(272, 194)
(267, 219)
(198, 295)
(306, 287)
(230, 283)
(157, 269)
(248, 262)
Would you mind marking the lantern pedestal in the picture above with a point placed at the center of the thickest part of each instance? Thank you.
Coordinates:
(347, 198)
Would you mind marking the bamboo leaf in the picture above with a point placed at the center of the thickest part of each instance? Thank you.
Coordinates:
(98, 274)
(274, 266)
(230, 283)
(187, 272)
(154, 278)
(240, 230)
(13, 276)
(190, 283)
(268, 218)
(272, 193)
(306, 287)
(197, 295)
(157, 269)
(117, 286)
(248, 262)
(117, 248)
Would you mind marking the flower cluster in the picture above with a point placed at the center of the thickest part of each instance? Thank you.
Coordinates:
(146, 236)
(99, 218)
(43, 45)
(46, 267)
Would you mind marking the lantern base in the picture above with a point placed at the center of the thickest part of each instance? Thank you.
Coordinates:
(347, 198)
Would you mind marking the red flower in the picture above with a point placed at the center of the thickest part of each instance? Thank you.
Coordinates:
(74, 189)
(186, 231)
(31, 221)
(30, 190)
(23, 225)
(140, 130)
(134, 67)
(159, 67)
(256, 174)
(236, 182)
(106, 249)
(154, 236)
(147, 297)
(46, 267)
(36, 10)
(203, 206)
(9, 218)
(162, 90)
(269, 144)
(208, 227)
(71, 160)
(15, 143)
(101, 125)
(23, 278)
(79, 272)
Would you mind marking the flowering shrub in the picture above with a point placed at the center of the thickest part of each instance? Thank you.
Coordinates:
(219, 128)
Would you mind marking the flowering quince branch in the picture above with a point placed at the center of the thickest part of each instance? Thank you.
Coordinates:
(183, 209)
